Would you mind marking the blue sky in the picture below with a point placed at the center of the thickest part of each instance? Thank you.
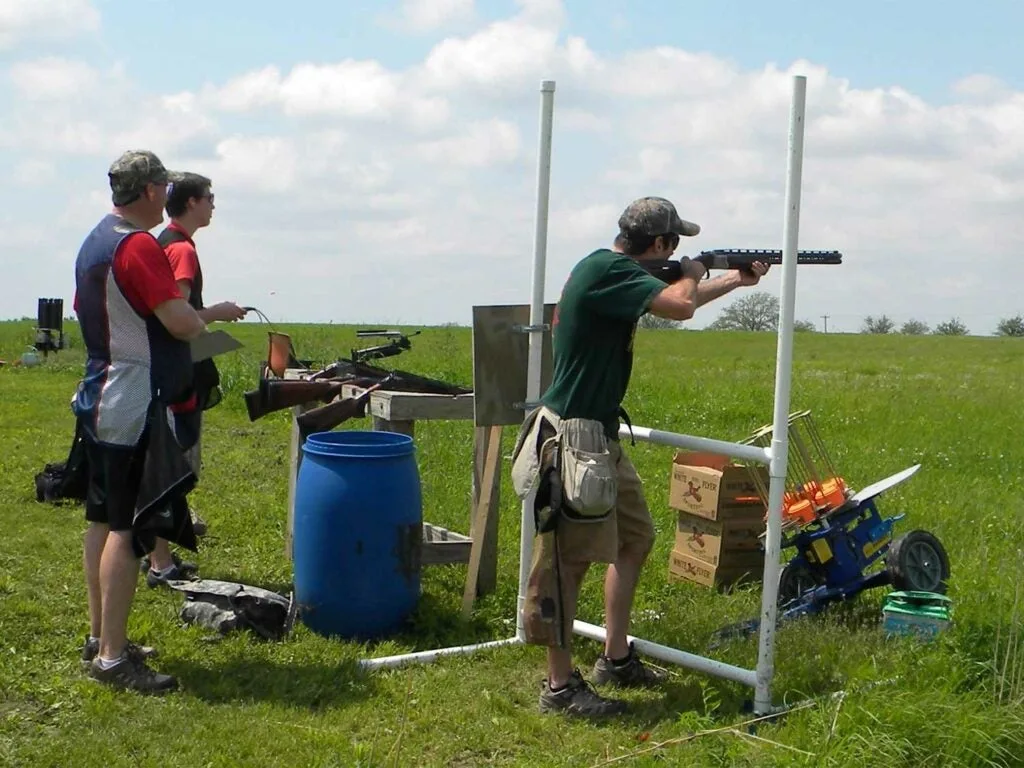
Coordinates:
(920, 45)
(343, 138)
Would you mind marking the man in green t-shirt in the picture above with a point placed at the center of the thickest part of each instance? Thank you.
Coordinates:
(592, 340)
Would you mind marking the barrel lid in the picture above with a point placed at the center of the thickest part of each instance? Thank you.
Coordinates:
(359, 444)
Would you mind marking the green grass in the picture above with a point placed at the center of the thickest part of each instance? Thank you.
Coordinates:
(883, 403)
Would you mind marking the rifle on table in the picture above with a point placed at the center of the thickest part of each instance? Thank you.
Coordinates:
(327, 417)
(670, 271)
(278, 394)
(398, 344)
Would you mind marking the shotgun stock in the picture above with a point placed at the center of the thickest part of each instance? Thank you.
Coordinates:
(278, 394)
(669, 271)
(327, 417)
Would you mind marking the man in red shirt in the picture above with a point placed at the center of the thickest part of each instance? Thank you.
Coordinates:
(190, 208)
(136, 327)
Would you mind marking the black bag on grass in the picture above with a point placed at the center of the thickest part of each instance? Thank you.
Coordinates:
(68, 479)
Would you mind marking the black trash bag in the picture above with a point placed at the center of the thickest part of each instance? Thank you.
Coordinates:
(66, 480)
(227, 606)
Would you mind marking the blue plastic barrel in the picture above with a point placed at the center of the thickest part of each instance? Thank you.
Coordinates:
(357, 533)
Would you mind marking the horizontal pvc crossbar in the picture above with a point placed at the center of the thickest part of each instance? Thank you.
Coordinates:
(424, 657)
(708, 666)
(736, 450)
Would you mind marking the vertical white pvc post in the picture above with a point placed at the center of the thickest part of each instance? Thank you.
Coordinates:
(536, 330)
(780, 422)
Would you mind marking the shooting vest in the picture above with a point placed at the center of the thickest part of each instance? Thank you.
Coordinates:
(131, 360)
(206, 375)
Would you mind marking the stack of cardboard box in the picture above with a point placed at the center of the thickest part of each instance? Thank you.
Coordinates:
(719, 523)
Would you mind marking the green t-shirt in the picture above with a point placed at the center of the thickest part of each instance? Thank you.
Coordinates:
(592, 337)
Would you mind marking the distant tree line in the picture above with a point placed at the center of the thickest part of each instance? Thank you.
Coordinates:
(759, 311)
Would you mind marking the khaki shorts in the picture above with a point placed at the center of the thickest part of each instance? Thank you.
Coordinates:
(629, 526)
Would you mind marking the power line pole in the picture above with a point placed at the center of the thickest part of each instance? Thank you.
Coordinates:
(825, 318)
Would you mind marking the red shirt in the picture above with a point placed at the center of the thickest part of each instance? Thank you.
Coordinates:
(182, 256)
(142, 273)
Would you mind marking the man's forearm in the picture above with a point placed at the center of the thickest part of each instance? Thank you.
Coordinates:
(207, 314)
(716, 287)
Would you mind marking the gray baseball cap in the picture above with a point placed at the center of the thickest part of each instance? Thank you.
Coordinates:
(655, 216)
(132, 171)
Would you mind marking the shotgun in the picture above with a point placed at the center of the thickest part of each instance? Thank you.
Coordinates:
(669, 271)
(278, 394)
(327, 417)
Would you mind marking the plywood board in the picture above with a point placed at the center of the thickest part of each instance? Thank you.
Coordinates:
(500, 360)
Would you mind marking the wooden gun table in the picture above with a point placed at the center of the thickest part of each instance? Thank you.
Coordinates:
(399, 412)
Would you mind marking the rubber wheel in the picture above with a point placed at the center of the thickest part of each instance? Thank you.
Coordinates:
(795, 579)
(917, 562)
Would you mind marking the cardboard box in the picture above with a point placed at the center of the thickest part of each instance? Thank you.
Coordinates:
(710, 486)
(718, 541)
(682, 567)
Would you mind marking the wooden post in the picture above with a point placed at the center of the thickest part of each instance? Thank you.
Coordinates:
(295, 459)
(482, 575)
(487, 578)
(402, 426)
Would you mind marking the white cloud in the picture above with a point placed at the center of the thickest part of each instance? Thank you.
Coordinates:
(24, 20)
(426, 15)
(341, 170)
(480, 144)
(52, 78)
(501, 54)
(353, 89)
(34, 173)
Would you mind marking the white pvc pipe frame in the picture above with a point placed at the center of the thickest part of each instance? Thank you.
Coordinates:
(775, 456)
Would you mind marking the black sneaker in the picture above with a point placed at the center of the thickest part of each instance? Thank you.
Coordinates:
(183, 571)
(630, 673)
(91, 649)
(579, 699)
(177, 572)
(130, 673)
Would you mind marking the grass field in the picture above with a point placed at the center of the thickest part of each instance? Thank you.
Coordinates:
(883, 403)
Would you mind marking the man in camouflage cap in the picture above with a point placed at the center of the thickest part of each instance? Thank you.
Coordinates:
(132, 172)
(593, 328)
(136, 327)
(652, 216)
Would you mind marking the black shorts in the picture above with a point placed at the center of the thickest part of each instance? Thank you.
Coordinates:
(115, 474)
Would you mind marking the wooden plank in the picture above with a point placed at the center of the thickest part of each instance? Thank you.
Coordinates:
(433, 532)
(492, 464)
(411, 406)
(406, 406)
(401, 427)
(500, 362)
(487, 575)
(445, 552)
(294, 461)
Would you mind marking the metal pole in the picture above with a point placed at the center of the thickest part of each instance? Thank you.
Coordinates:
(536, 348)
(783, 380)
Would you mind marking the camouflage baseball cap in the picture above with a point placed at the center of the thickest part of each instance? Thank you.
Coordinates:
(655, 216)
(132, 171)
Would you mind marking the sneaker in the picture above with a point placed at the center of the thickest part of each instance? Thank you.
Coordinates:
(183, 568)
(91, 649)
(629, 673)
(579, 699)
(177, 572)
(131, 673)
(198, 524)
